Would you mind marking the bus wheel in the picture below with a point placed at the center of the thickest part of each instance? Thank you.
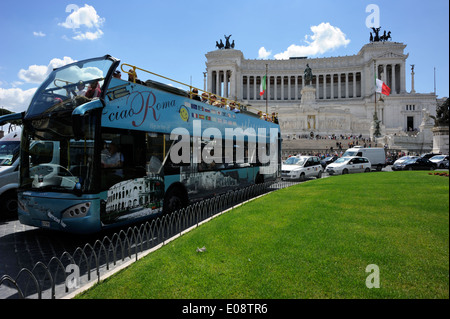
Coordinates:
(9, 203)
(259, 179)
(174, 200)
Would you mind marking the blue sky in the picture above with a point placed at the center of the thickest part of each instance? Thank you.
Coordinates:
(172, 37)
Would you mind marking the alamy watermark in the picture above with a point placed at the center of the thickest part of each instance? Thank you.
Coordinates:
(373, 19)
(373, 279)
(241, 146)
(73, 278)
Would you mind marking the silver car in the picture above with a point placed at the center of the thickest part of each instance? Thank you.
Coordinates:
(440, 160)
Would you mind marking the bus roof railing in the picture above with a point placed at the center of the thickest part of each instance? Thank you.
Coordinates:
(211, 98)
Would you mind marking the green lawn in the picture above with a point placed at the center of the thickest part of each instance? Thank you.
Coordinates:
(312, 240)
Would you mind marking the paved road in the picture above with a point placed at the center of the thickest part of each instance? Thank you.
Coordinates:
(23, 246)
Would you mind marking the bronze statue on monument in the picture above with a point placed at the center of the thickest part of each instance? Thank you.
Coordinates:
(308, 75)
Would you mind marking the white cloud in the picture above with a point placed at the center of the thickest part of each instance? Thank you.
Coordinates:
(16, 99)
(34, 73)
(263, 53)
(325, 38)
(85, 16)
(84, 21)
(39, 34)
(89, 35)
(38, 73)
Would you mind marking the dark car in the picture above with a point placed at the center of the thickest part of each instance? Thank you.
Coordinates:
(390, 160)
(429, 155)
(328, 160)
(418, 164)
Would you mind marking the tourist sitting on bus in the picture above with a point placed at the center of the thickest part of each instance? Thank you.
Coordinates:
(117, 74)
(93, 90)
(132, 77)
(205, 97)
(214, 101)
(233, 107)
(224, 104)
(81, 89)
(115, 158)
(194, 95)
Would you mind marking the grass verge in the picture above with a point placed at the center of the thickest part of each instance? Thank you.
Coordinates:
(313, 240)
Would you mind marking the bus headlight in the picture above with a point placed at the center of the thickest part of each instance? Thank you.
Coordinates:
(79, 210)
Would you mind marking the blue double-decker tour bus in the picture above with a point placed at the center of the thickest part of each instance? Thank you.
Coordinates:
(99, 151)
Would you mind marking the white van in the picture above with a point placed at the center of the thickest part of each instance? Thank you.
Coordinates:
(376, 155)
(9, 166)
(9, 171)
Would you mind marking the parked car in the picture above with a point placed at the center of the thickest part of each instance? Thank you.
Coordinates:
(301, 168)
(429, 155)
(398, 164)
(440, 160)
(417, 164)
(376, 155)
(349, 164)
(390, 160)
(328, 160)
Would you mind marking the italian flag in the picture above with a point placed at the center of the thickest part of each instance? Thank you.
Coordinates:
(262, 88)
(382, 87)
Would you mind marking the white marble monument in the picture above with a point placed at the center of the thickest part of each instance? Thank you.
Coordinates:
(340, 98)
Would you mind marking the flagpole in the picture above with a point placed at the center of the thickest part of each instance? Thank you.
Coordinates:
(267, 112)
(375, 72)
(435, 81)
(375, 115)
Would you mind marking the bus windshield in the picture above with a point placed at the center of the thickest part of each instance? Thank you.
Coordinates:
(70, 86)
(53, 160)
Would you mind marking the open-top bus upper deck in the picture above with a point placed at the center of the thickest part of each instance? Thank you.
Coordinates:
(71, 127)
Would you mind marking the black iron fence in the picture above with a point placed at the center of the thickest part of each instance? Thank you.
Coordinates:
(92, 262)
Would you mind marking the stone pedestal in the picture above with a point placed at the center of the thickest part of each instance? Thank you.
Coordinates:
(308, 96)
(440, 139)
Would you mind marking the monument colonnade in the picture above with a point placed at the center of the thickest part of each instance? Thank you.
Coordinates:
(286, 85)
